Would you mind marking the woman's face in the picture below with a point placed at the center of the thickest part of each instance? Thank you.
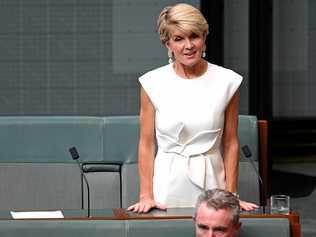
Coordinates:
(187, 49)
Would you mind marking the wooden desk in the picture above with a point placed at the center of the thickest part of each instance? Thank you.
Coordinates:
(187, 213)
(172, 213)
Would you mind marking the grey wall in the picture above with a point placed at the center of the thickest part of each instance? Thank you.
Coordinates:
(76, 57)
(80, 57)
(294, 59)
(236, 33)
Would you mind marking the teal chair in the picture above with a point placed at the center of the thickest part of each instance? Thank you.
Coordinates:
(253, 134)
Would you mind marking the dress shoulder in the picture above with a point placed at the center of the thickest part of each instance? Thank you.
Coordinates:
(153, 75)
(230, 78)
(227, 74)
(153, 81)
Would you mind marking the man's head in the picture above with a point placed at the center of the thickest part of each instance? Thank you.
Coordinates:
(217, 214)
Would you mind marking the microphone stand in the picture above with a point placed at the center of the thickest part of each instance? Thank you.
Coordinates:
(247, 153)
(75, 156)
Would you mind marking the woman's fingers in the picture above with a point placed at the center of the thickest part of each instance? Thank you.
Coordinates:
(161, 206)
(247, 206)
(132, 208)
(146, 206)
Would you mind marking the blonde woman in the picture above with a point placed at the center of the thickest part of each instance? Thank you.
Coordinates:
(189, 108)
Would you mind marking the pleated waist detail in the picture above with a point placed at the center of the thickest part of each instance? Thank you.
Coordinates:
(203, 159)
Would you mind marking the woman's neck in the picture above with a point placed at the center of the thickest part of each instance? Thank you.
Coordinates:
(190, 72)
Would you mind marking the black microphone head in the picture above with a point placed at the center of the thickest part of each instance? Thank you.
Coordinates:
(246, 150)
(74, 153)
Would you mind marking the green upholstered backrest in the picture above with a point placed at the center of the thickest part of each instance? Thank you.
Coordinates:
(248, 182)
(110, 139)
(39, 139)
(47, 139)
(121, 135)
(160, 228)
(248, 135)
(259, 227)
(263, 227)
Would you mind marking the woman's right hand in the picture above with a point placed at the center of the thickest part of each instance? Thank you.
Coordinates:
(247, 206)
(145, 205)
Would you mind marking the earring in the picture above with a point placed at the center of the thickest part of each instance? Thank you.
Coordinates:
(170, 56)
(203, 51)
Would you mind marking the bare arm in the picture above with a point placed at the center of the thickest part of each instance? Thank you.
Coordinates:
(146, 153)
(146, 147)
(231, 144)
(231, 149)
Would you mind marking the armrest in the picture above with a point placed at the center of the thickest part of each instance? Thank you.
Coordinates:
(100, 168)
(263, 159)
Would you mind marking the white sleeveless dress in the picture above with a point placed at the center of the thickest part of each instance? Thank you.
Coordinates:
(189, 120)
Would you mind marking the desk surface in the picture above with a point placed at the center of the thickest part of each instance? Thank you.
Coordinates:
(171, 213)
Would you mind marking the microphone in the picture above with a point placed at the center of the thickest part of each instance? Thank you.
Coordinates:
(247, 153)
(75, 156)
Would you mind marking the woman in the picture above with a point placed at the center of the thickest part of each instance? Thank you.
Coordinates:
(189, 108)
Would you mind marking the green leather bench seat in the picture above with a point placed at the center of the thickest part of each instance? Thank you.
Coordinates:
(47, 139)
(263, 227)
(62, 228)
(37, 172)
(40, 186)
(272, 227)
(248, 182)
(276, 227)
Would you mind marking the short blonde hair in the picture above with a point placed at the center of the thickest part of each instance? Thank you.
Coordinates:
(183, 17)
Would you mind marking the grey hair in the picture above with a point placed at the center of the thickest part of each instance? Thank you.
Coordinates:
(219, 199)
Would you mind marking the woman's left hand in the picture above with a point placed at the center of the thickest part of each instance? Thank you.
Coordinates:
(247, 206)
